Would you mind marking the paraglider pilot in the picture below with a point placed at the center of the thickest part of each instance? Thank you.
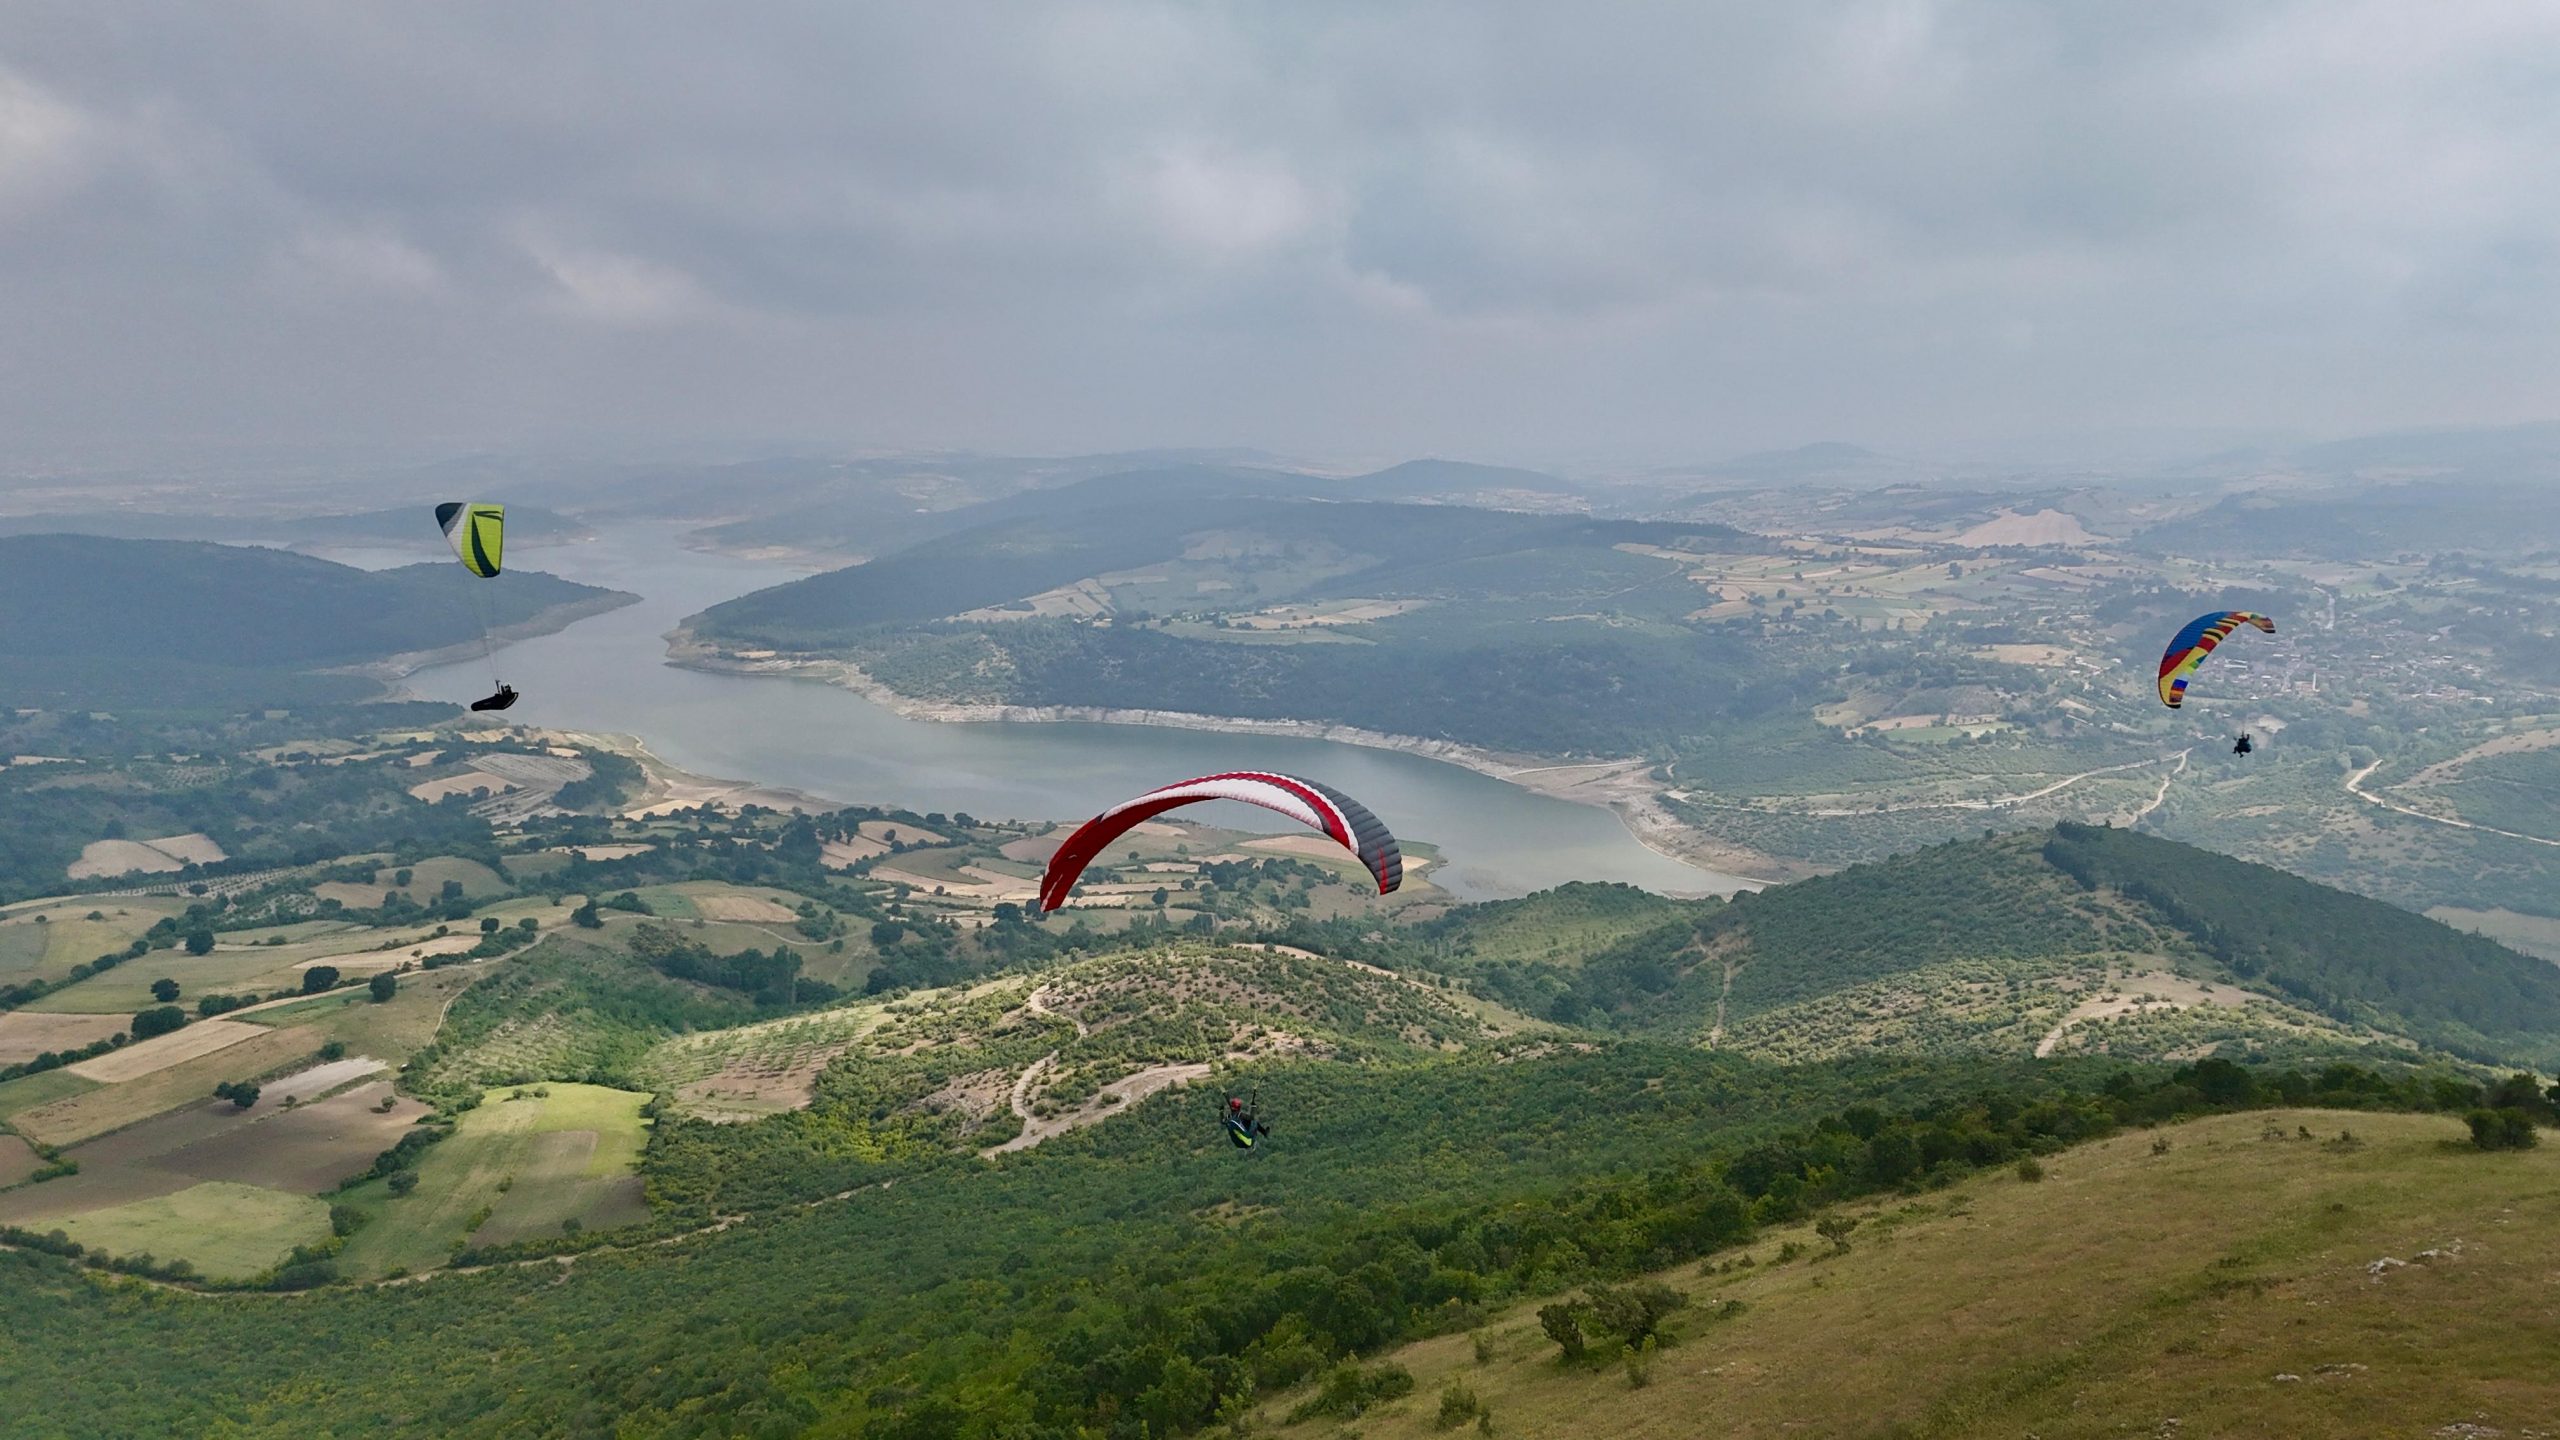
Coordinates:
(1243, 1125)
(2242, 746)
(505, 697)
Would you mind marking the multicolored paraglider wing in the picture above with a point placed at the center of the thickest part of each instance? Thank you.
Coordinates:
(1320, 807)
(2178, 663)
(478, 532)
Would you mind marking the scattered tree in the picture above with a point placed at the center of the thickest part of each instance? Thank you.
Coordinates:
(164, 991)
(200, 941)
(241, 1093)
(383, 986)
(1836, 1229)
(2508, 1129)
(319, 978)
(158, 1022)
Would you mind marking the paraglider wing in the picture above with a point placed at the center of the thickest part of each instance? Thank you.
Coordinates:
(478, 533)
(1320, 807)
(2178, 663)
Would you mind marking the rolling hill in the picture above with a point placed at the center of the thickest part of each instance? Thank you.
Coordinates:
(91, 620)
(1277, 596)
(2242, 1275)
(2007, 942)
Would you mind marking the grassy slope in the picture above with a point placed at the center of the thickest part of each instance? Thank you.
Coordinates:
(505, 1141)
(2125, 1291)
(229, 1231)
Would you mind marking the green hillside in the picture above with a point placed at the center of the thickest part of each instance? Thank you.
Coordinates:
(243, 607)
(1993, 942)
(1283, 597)
(2257, 1294)
(1136, 1273)
(989, 1197)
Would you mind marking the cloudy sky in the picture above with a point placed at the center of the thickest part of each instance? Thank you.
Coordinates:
(1358, 229)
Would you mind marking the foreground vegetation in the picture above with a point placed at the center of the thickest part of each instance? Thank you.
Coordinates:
(2294, 1272)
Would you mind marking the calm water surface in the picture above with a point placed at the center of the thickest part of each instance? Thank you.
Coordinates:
(609, 674)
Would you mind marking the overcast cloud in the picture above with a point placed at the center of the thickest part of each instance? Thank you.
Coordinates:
(1364, 229)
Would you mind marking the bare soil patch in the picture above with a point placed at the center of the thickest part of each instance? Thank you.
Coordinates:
(1033, 849)
(18, 1160)
(2041, 655)
(121, 857)
(24, 1036)
(751, 909)
(2149, 990)
(2045, 527)
(840, 854)
(747, 1091)
(433, 791)
(306, 1150)
(887, 830)
(159, 1053)
(604, 852)
(368, 961)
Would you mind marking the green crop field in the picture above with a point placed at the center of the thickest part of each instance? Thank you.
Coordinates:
(31, 1091)
(427, 877)
(65, 936)
(227, 1231)
(512, 1169)
(2239, 1275)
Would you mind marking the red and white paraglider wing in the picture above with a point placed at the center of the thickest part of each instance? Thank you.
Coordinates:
(1318, 807)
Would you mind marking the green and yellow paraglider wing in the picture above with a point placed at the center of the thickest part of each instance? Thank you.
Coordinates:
(478, 532)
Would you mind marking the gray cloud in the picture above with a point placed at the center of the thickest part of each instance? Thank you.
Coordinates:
(1486, 229)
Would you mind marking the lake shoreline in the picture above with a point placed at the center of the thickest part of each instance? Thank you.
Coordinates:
(1621, 786)
(394, 668)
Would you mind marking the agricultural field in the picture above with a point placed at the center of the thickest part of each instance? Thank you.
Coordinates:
(18, 1160)
(30, 1092)
(514, 1169)
(309, 1131)
(149, 1057)
(227, 1231)
(244, 962)
(25, 1035)
(107, 1107)
(44, 938)
(2532, 934)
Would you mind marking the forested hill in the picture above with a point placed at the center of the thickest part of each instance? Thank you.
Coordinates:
(79, 597)
(408, 525)
(1330, 536)
(2342, 954)
(1991, 941)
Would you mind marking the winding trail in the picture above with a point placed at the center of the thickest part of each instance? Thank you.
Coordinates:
(1118, 1095)
(2164, 787)
(2355, 787)
(1715, 1035)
